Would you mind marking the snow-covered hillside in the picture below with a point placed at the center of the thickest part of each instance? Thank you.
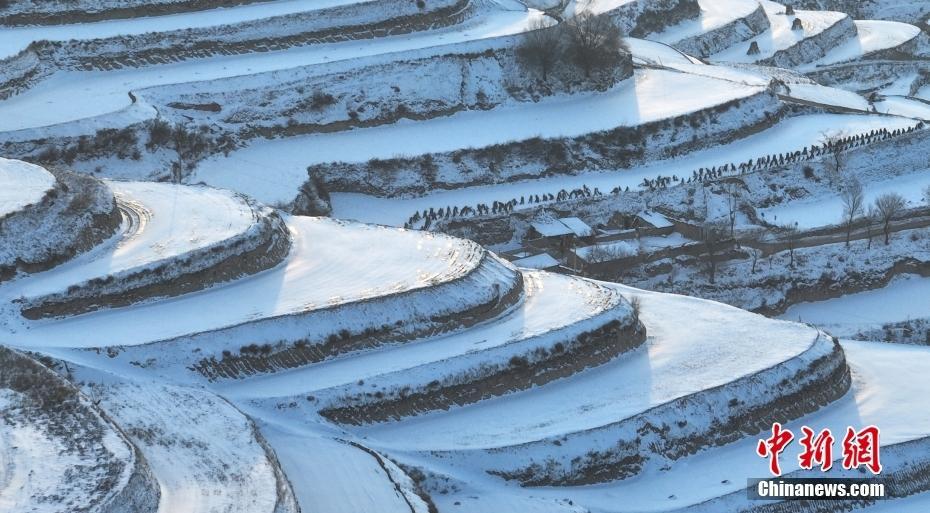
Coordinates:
(267, 256)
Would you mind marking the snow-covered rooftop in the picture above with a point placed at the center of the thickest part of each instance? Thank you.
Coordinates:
(655, 219)
(540, 261)
(551, 228)
(577, 226)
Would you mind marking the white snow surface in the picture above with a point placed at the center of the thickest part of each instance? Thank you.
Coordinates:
(650, 96)
(872, 36)
(823, 211)
(200, 448)
(652, 52)
(791, 134)
(905, 297)
(715, 345)
(330, 263)
(907, 107)
(166, 222)
(575, 7)
(15, 39)
(70, 96)
(829, 96)
(552, 301)
(889, 389)
(780, 36)
(22, 445)
(22, 184)
(714, 14)
(331, 476)
(923, 93)
(43, 471)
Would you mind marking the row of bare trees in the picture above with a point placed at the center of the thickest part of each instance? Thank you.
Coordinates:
(886, 208)
(587, 41)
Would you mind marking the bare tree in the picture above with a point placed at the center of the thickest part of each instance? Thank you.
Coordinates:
(732, 196)
(853, 205)
(593, 41)
(888, 206)
(756, 236)
(835, 161)
(636, 305)
(927, 195)
(712, 245)
(542, 46)
(95, 393)
(792, 236)
(870, 216)
(754, 254)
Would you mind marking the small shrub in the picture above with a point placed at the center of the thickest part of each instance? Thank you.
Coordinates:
(519, 362)
(159, 134)
(320, 100)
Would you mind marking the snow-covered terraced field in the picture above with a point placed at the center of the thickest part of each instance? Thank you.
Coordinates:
(648, 97)
(21, 185)
(340, 477)
(780, 36)
(202, 451)
(552, 302)
(871, 36)
(715, 14)
(902, 299)
(15, 39)
(829, 210)
(887, 389)
(824, 95)
(792, 134)
(57, 452)
(214, 355)
(46, 218)
(70, 96)
(162, 222)
(326, 268)
(713, 345)
(65, 476)
(903, 106)
(172, 236)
